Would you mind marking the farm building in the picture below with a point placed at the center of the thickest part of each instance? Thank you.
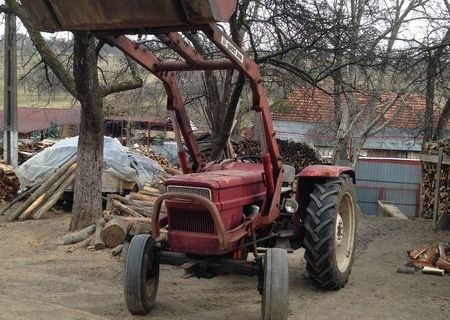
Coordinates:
(39, 120)
(308, 115)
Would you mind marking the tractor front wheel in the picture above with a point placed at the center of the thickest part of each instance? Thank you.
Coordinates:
(274, 303)
(141, 275)
(330, 229)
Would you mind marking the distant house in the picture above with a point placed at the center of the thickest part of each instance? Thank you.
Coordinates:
(308, 115)
(32, 120)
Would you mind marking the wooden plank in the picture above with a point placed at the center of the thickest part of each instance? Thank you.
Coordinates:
(435, 158)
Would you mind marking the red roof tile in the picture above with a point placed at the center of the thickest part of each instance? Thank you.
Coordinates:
(315, 106)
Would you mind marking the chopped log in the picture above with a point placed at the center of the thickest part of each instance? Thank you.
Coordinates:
(126, 209)
(144, 208)
(435, 271)
(114, 232)
(55, 197)
(109, 202)
(82, 244)
(146, 212)
(117, 250)
(45, 186)
(144, 204)
(141, 226)
(78, 236)
(107, 215)
(47, 194)
(98, 241)
(151, 189)
(142, 197)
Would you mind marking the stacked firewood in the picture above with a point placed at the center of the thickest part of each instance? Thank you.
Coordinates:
(129, 216)
(149, 153)
(44, 196)
(29, 148)
(429, 183)
(9, 184)
(297, 154)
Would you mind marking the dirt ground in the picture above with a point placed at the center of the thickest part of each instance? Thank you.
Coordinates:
(39, 279)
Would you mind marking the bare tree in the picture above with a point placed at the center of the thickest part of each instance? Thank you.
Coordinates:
(83, 85)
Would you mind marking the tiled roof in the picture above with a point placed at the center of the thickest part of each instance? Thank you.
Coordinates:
(312, 105)
(36, 119)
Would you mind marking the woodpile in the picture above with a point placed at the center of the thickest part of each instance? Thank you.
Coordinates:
(124, 217)
(9, 184)
(297, 154)
(43, 197)
(29, 148)
(129, 216)
(149, 153)
(430, 179)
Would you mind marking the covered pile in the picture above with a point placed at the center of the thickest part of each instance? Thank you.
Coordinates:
(429, 183)
(117, 160)
(49, 174)
(9, 184)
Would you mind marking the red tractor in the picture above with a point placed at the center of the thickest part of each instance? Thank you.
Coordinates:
(219, 212)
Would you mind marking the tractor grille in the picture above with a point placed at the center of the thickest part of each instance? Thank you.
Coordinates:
(204, 192)
(192, 221)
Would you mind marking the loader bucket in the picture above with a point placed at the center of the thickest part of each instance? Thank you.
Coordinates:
(125, 15)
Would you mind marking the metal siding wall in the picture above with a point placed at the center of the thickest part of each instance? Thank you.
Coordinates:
(397, 182)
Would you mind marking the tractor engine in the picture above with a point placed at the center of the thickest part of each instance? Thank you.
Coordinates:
(235, 193)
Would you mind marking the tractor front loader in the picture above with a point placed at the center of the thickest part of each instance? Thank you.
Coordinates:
(219, 212)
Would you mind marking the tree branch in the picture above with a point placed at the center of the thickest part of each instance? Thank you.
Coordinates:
(49, 58)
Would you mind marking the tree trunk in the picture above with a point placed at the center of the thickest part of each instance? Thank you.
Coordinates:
(87, 206)
(221, 137)
(442, 123)
(429, 97)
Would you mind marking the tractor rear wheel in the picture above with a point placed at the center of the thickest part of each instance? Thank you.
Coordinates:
(274, 303)
(330, 229)
(141, 275)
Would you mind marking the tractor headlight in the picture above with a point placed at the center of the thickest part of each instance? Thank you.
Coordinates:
(291, 206)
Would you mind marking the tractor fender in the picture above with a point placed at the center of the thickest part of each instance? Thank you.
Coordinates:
(306, 180)
(323, 171)
(316, 173)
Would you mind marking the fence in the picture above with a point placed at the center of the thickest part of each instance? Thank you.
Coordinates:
(392, 180)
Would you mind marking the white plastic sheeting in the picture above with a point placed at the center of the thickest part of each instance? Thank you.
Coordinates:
(116, 159)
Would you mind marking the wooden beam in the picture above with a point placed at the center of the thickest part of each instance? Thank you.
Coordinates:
(435, 158)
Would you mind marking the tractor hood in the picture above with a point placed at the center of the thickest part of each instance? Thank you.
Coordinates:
(221, 179)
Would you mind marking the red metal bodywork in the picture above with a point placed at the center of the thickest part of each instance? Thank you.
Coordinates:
(231, 190)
